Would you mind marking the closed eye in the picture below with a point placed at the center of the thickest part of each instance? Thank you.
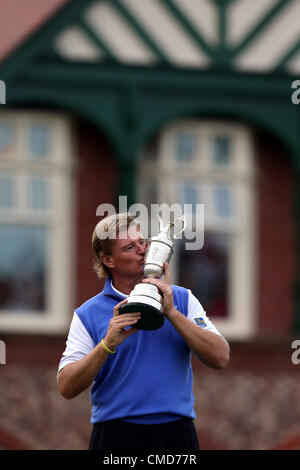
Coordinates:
(131, 245)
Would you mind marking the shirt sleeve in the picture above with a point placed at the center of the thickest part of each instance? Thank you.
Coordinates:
(196, 314)
(78, 344)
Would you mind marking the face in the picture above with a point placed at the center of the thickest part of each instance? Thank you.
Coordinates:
(127, 254)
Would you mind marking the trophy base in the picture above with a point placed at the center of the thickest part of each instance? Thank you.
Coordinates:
(151, 317)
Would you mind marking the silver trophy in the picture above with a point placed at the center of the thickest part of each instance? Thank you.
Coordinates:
(146, 298)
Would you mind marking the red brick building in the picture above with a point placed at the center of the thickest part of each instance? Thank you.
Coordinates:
(175, 102)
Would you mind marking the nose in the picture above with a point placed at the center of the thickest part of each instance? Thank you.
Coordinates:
(141, 249)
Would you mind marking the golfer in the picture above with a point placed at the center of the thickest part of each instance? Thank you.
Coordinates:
(141, 395)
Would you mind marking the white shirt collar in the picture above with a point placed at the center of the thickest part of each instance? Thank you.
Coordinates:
(117, 291)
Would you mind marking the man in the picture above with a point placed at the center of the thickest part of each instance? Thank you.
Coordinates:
(142, 397)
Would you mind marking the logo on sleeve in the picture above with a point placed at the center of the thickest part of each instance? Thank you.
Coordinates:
(200, 321)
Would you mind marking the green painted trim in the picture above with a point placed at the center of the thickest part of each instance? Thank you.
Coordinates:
(132, 102)
(259, 27)
(183, 81)
(19, 60)
(150, 43)
(219, 3)
(222, 52)
(255, 114)
(99, 108)
(49, 55)
(159, 96)
(283, 62)
(97, 40)
(222, 5)
(163, 96)
(188, 27)
(127, 183)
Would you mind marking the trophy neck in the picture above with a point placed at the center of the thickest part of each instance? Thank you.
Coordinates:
(162, 238)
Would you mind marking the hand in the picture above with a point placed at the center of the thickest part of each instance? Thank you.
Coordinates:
(116, 332)
(166, 290)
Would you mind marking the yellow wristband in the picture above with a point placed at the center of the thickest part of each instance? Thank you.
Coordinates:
(106, 348)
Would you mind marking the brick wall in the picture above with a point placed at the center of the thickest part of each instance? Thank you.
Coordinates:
(276, 237)
(96, 180)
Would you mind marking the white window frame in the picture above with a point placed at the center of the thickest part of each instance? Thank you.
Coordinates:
(241, 321)
(56, 318)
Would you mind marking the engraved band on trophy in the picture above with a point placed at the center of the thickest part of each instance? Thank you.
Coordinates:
(146, 298)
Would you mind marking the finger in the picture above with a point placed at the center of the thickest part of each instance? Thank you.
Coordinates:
(126, 317)
(151, 280)
(116, 308)
(160, 284)
(131, 331)
(123, 324)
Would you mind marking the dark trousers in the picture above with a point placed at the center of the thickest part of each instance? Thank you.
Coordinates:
(119, 436)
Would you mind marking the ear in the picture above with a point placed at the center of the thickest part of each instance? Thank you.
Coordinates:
(107, 260)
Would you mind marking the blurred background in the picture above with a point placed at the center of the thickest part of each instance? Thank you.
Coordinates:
(164, 101)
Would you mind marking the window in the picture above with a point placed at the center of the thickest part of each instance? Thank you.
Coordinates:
(210, 163)
(185, 146)
(35, 207)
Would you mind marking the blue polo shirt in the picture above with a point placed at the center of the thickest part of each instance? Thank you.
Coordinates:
(149, 378)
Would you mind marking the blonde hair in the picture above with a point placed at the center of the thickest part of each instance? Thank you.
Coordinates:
(104, 237)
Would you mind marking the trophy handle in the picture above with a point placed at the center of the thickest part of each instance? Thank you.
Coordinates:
(171, 226)
(184, 223)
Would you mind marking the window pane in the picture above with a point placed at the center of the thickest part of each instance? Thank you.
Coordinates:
(205, 272)
(189, 194)
(221, 151)
(6, 192)
(185, 147)
(23, 253)
(223, 201)
(38, 193)
(39, 141)
(6, 141)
